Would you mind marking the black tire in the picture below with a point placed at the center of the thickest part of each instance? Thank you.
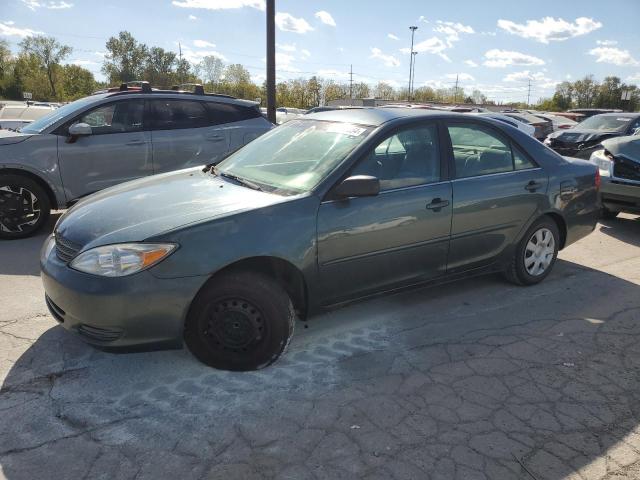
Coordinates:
(24, 207)
(240, 321)
(517, 272)
(608, 214)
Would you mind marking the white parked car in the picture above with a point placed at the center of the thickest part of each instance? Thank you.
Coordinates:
(16, 116)
(558, 122)
(525, 127)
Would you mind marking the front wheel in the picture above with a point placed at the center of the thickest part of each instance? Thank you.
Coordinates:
(240, 321)
(24, 207)
(535, 254)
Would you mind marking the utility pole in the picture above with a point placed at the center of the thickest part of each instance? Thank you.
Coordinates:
(271, 61)
(455, 91)
(413, 77)
(351, 85)
(413, 29)
(529, 93)
(180, 64)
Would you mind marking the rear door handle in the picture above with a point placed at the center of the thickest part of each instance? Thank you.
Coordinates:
(215, 138)
(437, 204)
(532, 186)
(136, 142)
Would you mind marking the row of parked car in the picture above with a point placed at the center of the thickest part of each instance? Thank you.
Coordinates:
(131, 131)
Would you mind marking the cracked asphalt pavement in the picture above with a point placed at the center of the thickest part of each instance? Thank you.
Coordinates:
(471, 380)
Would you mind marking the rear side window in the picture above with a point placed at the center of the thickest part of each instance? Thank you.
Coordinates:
(478, 151)
(220, 113)
(177, 114)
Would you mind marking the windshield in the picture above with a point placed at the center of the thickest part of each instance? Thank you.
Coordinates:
(49, 119)
(609, 123)
(295, 156)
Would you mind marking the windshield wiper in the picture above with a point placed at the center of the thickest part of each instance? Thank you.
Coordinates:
(240, 180)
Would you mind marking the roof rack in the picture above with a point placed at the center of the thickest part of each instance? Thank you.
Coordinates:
(142, 86)
(198, 89)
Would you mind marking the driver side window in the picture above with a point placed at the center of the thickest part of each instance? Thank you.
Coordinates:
(116, 117)
(408, 158)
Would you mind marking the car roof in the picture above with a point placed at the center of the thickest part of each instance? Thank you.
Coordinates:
(619, 114)
(378, 116)
(175, 94)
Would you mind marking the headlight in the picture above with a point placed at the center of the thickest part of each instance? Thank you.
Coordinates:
(122, 259)
(547, 141)
(604, 163)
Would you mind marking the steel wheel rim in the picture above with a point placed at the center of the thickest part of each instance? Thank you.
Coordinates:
(539, 252)
(234, 325)
(19, 209)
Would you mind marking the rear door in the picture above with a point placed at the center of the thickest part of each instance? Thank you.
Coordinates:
(118, 150)
(183, 135)
(497, 188)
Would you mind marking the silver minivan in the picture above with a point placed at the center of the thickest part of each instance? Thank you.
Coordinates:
(113, 137)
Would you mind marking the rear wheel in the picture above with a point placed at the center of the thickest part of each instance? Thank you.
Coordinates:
(24, 206)
(240, 321)
(608, 214)
(535, 254)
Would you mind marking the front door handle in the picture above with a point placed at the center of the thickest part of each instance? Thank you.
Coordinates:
(532, 186)
(136, 142)
(437, 204)
(215, 138)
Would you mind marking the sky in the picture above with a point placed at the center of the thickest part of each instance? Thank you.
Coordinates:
(495, 46)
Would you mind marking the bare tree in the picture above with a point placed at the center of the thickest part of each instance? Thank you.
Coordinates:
(211, 69)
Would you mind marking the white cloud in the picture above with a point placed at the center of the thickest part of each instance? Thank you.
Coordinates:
(613, 55)
(633, 78)
(539, 79)
(83, 63)
(326, 18)
(193, 17)
(471, 63)
(305, 53)
(423, 19)
(284, 60)
(452, 31)
(388, 60)
(550, 29)
(433, 45)
(607, 43)
(196, 56)
(203, 44)
(496, 58)
(462, 77)
(287, 47)
(392, 36)
(288, 23)
(333, 74)
(220, 4)
(51, 5)
(8, 30)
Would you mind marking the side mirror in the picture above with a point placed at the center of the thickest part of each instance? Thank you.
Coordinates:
(357, 186)
(79, 129)
(636, 131)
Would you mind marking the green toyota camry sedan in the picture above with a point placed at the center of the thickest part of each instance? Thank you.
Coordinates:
(320, 211)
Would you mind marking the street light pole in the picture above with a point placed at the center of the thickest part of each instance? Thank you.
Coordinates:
(413, 77)
(271, 61)
(413, 29)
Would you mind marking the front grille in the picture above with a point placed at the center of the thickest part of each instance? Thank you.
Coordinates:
(99, 334)
(65, 249)
(626, 169)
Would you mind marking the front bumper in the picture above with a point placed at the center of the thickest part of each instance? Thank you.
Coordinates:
(619, 196)
(575, 152)
(138, 311)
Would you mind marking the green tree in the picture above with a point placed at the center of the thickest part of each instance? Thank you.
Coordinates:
(125, 60)
(77, 82)
(211, 69)
(49, 54)
(159, 67)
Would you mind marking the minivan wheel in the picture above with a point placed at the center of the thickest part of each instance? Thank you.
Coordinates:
(535, 254)
(24, 207)
(240, 321)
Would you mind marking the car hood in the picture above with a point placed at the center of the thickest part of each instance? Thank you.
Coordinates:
(137, 210)
(575, 135)
(628, 147)
(9, 137)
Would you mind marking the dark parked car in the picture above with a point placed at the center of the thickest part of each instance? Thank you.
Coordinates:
(583, 139)
(542, 127)
(619, 163)
(320, 211)
(590, 112)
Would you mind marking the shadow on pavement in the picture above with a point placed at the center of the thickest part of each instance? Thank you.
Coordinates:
(21, 257)
(625, 228)
(476, 379)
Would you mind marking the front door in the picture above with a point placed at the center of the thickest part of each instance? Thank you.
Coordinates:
(185, 134)
(497, 188)
(400, 236)
(117, 150)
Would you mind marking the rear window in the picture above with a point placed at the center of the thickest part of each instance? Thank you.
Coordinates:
(175, 114)
(220, 113)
